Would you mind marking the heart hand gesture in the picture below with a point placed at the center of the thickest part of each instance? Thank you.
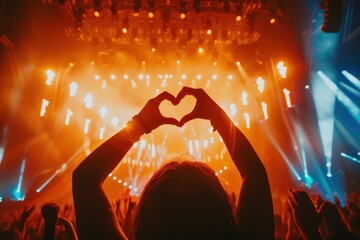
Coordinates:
(150, 116)
(205, 108)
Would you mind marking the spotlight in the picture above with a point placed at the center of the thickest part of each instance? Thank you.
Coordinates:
(182, 9)
(151, 8)
(125, 25)
(238, 10)
(97, 8)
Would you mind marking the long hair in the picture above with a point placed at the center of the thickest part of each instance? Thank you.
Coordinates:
(184, 200)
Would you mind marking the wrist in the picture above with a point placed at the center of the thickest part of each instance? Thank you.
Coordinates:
(135, 129)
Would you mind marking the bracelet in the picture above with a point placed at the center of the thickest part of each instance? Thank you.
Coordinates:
(139, 119)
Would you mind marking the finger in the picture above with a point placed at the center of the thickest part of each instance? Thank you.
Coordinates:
(163, 96)
(305, 198)
(292, 203)
(187, 118)
(293, 196)
(171, 121)
(184, 92)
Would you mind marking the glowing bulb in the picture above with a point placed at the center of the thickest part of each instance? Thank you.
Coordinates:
(206, 143)
(200, 50)
(113, 76)
(178, 62)
(232, 109)
(124, 30)
(287, 97)
(101, 133)
(150, 14)
(198, 76)
(115, 121)
(272, 21)
(183, 76)
(103, 111)
(86, 125)
(126, 76)
(244, 100)
(73, 86)
(238, 63)
(182, 15)
(247, 120)
(264, 108)
(142, 143)
(96, 13)
(208, 32)
(282, 69)
(97, 77)
(88, 100)
(261, 84)
(230, 77)
(44, 104)
(69, 114)
(238, 18)
(214, 77)
(50, 76)
(153, 49)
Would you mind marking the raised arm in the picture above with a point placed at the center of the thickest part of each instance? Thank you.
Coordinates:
(254, 207)
(95, 216)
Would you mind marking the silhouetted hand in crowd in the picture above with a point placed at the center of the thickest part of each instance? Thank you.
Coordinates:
(306, 217)
(50, 213)
(69, 228)
(24, 216)
(336, 200)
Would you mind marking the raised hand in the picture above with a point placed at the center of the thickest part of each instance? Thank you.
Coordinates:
(336, 200)
(26, 213)
(305, 215)
(50, 213)
(150, 116)
(205, 107)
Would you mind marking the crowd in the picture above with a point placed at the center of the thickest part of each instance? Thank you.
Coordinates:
(184, 199)
(337, 223)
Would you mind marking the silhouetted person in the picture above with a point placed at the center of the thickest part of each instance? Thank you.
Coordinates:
(183, 200)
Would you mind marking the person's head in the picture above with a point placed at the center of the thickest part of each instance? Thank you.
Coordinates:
(184, 200)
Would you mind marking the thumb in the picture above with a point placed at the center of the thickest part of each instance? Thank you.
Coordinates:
(187, 118)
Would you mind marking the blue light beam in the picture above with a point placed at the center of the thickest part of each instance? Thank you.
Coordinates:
(352, 79)
(350, 157)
